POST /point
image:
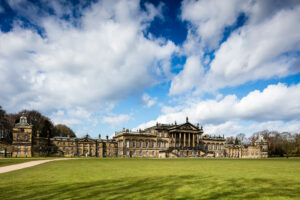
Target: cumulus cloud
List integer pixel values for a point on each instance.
(266, 46)
(186, 79)
(233, 127)
(87, 62)
(116, 119)
(148, 101)
(275, 103)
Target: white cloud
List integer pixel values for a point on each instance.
(209, 18)
(186, 79)
(101, 60)
(274, 103)
(233, 128)
(115, 120)
(266, 46)
(148, 101)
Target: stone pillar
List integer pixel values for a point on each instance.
(193, 141)
(174, 139)
(175, 134)
(197, 139)
(184, 141)
(189, 140)
(180, 139)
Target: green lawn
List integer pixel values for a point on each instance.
(155, 179)
(12, 161)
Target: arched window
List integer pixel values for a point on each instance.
(213, 146)
(127, 143)
(159, 144)
(152, 144)
(141, 153)
(221, 146)
(165, 144)
(147, 144)
(133, 143)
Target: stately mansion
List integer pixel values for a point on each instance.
(159, 141)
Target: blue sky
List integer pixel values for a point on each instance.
(100, 66)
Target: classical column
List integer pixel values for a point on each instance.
(197, 139)
(175, 139)
(189, 140)
(193, 140)
(184, 141)
(179, 139)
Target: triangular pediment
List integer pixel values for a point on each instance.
(186, 126)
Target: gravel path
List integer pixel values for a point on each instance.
(27, 164)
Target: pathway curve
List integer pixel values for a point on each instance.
(10, 168)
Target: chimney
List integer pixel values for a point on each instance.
(99, 136)
(106, 137)
(187, 119)
(197, 125)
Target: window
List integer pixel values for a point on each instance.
(22, 130)
(147, 154)
(152, 144)
(141, 143)
(18, 137)
(153, 153)
(141, 153)
(159, 144)
(213, 146)
(133, 143)
(127, 153)
(192, 153)
(147, 144)
(127, 143)
(165, 144)
(58, 143)
(221, 146)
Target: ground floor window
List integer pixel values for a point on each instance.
(141, 153)
(153, 153)
(147, 154)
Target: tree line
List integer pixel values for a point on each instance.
(42, 125)
(279, 143)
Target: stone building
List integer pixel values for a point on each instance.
(184, 140)
(168, 141)
(258, 150)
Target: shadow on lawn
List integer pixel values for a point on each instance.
(171, 187)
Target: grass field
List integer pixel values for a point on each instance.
(155, 179)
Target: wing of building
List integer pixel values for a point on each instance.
(159, 141)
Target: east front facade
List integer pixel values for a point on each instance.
(184, 140)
